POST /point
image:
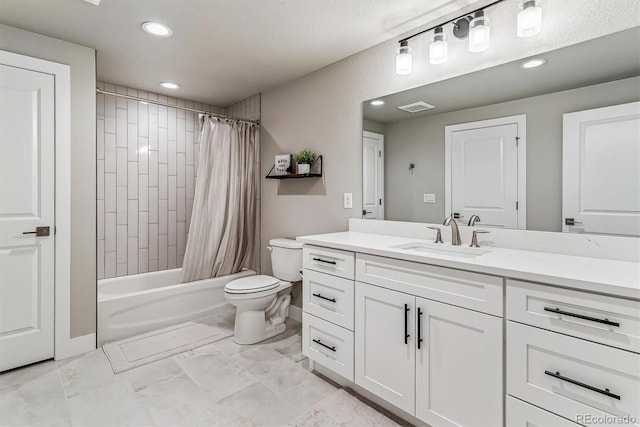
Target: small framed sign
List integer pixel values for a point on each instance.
(283, 164)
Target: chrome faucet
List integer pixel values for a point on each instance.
(455, 233)
(473, 220)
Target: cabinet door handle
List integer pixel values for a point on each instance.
(406, 324)
(325, 261)
(606, 391)
(419, 327)
(325, 298)
(324, 345)
(582, 316)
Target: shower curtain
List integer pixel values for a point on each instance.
(223, 223)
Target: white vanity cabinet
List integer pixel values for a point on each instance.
(438, 362)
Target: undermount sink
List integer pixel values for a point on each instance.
(440, 249)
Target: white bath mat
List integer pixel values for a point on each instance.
(141, 349)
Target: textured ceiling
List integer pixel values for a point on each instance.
(222, 51)
(599, 60)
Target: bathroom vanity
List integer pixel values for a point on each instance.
(454, 335)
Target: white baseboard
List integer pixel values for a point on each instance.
(295, 313)
(75, 346)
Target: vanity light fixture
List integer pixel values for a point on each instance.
(438, 49)
(170, 85)
(479, 33)
(156, 29)
(529, 19)
(404, 60)
(377, 102)
(533, 63)
(472, 25)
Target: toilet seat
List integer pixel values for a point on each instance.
(251, 284)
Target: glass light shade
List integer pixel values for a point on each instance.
(438, 50)
(529, 21)
(479, 35)
(404, 61)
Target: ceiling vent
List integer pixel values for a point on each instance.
(416, 107)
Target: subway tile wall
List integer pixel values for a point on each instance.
(147, 165)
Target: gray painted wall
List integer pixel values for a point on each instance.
(323, 110)
(421, 141)
(83, 163)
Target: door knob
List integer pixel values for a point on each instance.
(40, 231)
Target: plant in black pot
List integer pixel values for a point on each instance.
(304, 159)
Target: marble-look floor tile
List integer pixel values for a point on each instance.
(255, 405)
(153, 373)
(115, 404)
(308, 393)
(21, 376)
(87, 372)
(38, 402)
(179, 402)
(272, 369)
(342, 409)
(215, 374)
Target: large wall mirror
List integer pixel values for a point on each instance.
(550, 148)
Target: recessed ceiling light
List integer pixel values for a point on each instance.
(157, 29)
(169, 85)
(377, 102)
(533, 63)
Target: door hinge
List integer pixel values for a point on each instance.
(516, 205)
(380, 200)
(379, 153)
(517, 140)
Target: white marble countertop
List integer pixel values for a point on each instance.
(619, 278)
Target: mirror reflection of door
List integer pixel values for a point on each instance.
(484, 172)
(372, 175)
(601, 170)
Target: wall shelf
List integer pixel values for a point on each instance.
(316, 172)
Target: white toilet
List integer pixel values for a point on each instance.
(262, 302)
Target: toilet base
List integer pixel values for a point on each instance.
(253, 325)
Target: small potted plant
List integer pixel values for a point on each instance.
(304, 159)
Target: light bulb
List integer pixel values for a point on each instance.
(529, 19)
(404, 60)
(480, 34)
(438, 48)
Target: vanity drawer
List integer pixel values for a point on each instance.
(328, 297)
(479, 292)
(522, 414)
(570, 376)
(331, 261)
(607, 320)
(328, 344)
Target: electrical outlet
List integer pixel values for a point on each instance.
(348, 200)
(429, 198)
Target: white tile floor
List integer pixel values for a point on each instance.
(220, 384)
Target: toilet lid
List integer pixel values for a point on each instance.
(251, 284)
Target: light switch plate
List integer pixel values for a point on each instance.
(429, 198)
(348, 200)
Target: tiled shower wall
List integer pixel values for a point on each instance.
(147, 162)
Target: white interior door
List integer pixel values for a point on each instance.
(26, 202)
(372, 175)
(601, 170)
(484, 172)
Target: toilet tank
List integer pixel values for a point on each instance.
(286, 259)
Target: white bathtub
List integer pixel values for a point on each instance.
(140, 303)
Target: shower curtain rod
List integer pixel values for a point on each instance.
(135, 98)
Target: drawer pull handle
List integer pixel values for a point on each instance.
(606, 391)
(324, 345)
(419, 327)
(582, 316)
(325, 261)
(324, 298)
(406, 324)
